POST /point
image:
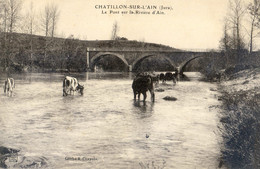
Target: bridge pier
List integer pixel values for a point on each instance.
(88, 59)
(178, 73)
(130, 68)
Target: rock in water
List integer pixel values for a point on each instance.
(159, 90)
(5, 150)
(170, 98)
(4, 154)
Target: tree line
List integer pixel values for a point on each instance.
(241, 28)
(13, 21)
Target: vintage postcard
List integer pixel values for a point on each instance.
(161, 84)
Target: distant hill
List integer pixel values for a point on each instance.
(24, 52)
(127, 45)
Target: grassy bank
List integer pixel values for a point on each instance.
(240, 119)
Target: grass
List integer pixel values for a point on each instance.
(240, 128)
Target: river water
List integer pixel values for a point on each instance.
(105, 128)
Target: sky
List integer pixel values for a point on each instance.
(191, 24)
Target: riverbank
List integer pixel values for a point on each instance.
(240, 119)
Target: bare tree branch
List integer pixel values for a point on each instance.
(54, 18)
(115, 30)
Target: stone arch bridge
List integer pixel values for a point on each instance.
(132, 58)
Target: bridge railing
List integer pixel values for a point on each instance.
(131, 50)
(152, 50)
(199, 50)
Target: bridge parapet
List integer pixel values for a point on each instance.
(132, 50)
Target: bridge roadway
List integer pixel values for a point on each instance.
(178, 59)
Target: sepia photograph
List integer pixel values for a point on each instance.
(130, 84)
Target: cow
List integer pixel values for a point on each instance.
(161, 77)
(9, 86)
(70, 84)
(168, 76)
(141, 84)
(155, 78)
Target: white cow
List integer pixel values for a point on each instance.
(9, 86)
(70, 84)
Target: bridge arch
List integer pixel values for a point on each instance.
(100, 54)
(141, 58)
(185, 63)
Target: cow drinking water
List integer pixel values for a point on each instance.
(141, 84)
(9, 86)
(70, 84)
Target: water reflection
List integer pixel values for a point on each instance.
(143, 109)
(108, 75)
(85, 76)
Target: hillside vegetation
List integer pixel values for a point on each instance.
(31, 53)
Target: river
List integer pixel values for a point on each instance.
(105, 128)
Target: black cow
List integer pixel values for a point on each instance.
(168, 77)
(161, 77)
(141, 84)
(155, 78)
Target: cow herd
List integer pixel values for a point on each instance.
(142, 83)
(70, 85)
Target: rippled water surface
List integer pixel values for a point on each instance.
(106, 125)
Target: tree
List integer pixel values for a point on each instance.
(46, 20)
(254, 13)
(226, 39)
(115, 30)
(3, 16)
(54, 18)
(235, 17)
(30, 23)
(30, 27)
(49, 24)
(10, 17)
(12, 9)
(45, 26)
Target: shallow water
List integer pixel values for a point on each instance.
(106, 125)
